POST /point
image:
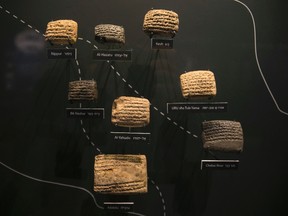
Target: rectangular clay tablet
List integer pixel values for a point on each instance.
(222, 135)
(82, 90)
(120, 174)
(198, 84)
(130, 112)
(62, 32)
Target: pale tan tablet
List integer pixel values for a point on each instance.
(200, 83)
(62, 32)
(160, 21)
(120, 174)
(130, 112)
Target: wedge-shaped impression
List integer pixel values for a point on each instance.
(130, 112)
(200, 83)
(62, 32)
(161, 22)
(82, 90)
(108, 33)
(222, 135)
(120, 174)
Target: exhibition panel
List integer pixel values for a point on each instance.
(148, 108)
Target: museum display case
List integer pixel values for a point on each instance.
(148, 108)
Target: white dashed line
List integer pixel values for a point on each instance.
(161, 196)
(79, 70)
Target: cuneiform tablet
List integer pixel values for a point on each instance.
(160, 21)
(120, 174)
(82, 90)
(62, 32)
(200, 83)
(130, 112)
(222, 135)
(110, 33)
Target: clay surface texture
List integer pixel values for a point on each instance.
(159, 21)
(82, 90)
(110, 33)
(130, 112)
(120, 174)
(62, 32)
(199, 83)
(222, 135)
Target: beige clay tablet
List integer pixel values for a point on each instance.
(162, 22)
(110, 33)
(200, 83)
(120, 174)
(62, 32)
(130, 112)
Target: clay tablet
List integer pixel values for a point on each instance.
(120, 174)
(222, 135)
(62, 32)
(159, 21)
(130, 112)
(82, 90)
(110, 33)
(200, 83)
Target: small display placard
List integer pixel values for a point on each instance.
(198, 107)
(160, 43)
(86, 112)
(219, 164)
(113, 55)
(131, 137)
(57, 53)
(119, 206)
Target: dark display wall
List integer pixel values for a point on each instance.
(47, 159)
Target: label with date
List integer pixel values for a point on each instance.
(157, 43)
(113, 55)
(131, 137)
(58, 53)
(119, 206)
(219, 164)
(197, 107)
(85, 112)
